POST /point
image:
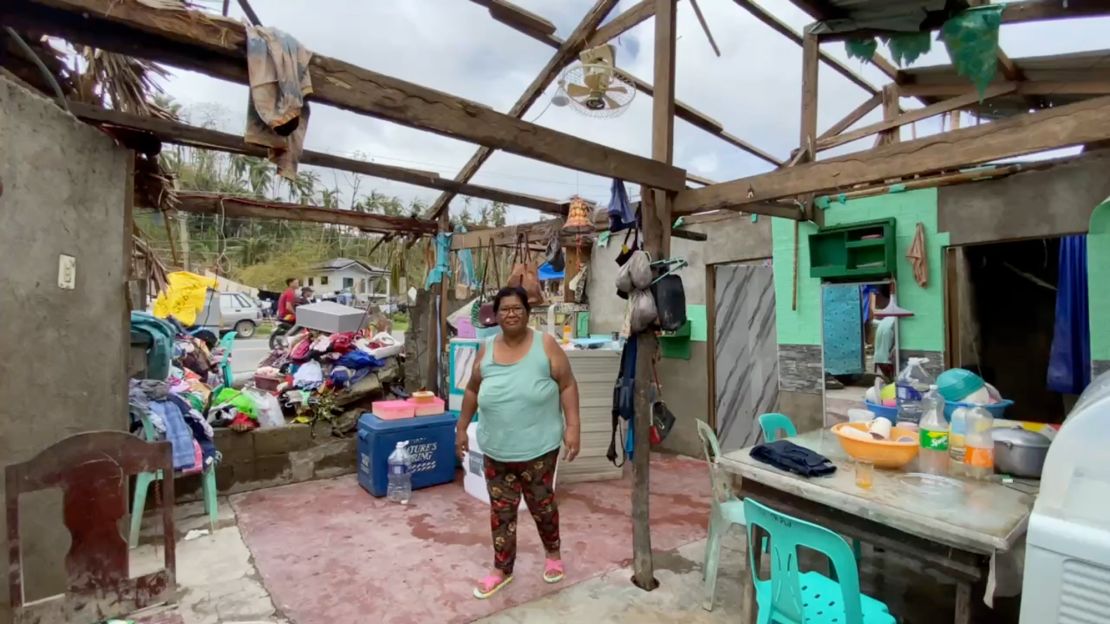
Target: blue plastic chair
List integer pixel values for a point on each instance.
(725, 511)
(791, 596)
(774, 424)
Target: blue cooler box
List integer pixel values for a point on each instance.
(431, 443)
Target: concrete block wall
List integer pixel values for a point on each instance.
(66, 189)
(270, 457)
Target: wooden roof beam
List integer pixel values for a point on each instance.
(216, 46)
(566, 53)
(204, 138)
(1062, 126)
(517, 18)
(622, 23)
(1028, 87)
(246, 208)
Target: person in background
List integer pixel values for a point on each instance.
(884, 347)
(522, 383)
(306, 296)
(287, 302)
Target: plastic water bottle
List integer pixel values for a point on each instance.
(400, 474)
(912, 384)
(979, 460)
(957, 442)
(933, 458)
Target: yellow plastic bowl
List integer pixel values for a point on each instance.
(883, 453)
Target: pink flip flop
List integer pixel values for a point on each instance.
(553, 570)
(490, 585)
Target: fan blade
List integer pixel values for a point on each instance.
(616, 90)
(577, 90)
(593, 80)
(611, 102)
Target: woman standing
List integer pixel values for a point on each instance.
(523, 385)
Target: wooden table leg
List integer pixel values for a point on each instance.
(963, 603)
(748, 607)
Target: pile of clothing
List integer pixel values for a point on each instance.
(316, 366)
(171, 411)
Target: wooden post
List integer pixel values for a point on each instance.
(890, 113)
(656, 214)
(811, 56)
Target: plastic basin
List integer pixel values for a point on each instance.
(883, 453)
(889, 413)
(996, 409)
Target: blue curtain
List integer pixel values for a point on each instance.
(1069, 363)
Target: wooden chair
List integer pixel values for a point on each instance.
(92, 470)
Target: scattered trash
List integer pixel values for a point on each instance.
(196, 533)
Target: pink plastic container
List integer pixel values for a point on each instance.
(392, 410)
(427, 407)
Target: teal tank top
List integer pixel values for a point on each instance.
(520, 416)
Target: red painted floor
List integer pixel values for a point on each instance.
(330, 553)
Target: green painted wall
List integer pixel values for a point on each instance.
(925, 330)
(1098, 276)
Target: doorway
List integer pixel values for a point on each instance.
(1001, 321)
(745, 350)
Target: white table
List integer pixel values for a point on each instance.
(956, 535)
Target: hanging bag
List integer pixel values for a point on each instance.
(525, 272)
(462, 289)
(481, 312)
(554, 256)
(670, 302)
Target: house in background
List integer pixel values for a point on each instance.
(363, 281)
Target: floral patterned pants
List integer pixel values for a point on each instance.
(507, 482)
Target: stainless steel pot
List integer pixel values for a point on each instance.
(1019, 452)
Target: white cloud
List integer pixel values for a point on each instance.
(753, 90)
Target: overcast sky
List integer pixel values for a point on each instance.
(753, 89)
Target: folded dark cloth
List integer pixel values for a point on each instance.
(793, 458)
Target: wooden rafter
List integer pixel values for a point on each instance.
(963, 101)
(626, 21)
(240, 207)
(566, 52)
(1063, 126)
(205, 138)
(687, 113)
(1028, 87)
(854, 116)
(216, 46)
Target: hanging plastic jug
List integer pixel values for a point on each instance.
(912, 384)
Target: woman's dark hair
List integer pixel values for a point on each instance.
(511, 291)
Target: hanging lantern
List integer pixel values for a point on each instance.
(578, 218)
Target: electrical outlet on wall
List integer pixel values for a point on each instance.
(67, 272)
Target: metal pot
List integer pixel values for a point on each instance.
(1019, 452)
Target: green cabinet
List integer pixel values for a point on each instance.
(856, 251)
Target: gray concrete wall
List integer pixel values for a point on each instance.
(65, 191)
(1034, 204)
(732, 238)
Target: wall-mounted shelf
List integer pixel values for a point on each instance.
(856, 251)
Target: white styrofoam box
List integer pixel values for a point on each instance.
(331, 317)
(474, 477)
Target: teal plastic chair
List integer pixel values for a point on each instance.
(142, 486)
(725, 511)
(791, 596)
(227, 343)
(776, 426)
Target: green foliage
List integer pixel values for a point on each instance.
(263, 253)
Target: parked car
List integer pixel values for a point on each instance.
(235, 312)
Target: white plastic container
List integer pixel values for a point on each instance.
(474, 477)
(1067, 557)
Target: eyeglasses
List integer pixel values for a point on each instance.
(516, 311)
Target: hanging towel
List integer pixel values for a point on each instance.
(440, 268)
(1069, 360)
(277, 113)
(793, 458)
(916, 256)
(620, 210)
